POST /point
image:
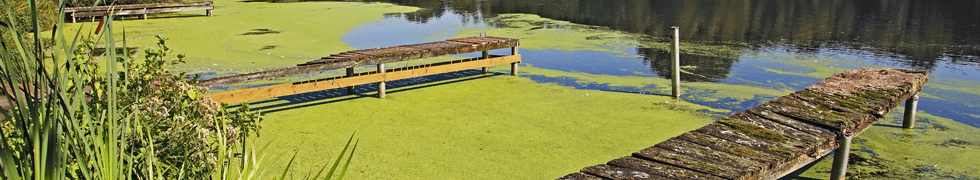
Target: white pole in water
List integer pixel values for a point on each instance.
(513, 66)
(839, 169)
(676, 56)
(381, 85)
(910, 107)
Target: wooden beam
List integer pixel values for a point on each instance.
(320, 66)
(136, 6)
(142, 11)
(266, 92)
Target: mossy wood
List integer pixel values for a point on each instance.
(372, 57)
(775, 138)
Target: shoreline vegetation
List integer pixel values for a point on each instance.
(69, 117)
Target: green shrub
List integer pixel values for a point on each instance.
(67, 118)
(180, 125)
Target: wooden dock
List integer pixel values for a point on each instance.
(775, 138)
(378, 57)
(137, 9)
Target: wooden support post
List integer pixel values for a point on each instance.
(513, 66)
(350, 89)
(910, 108)
(381, 85)
(486, 54)
(676, 65)
(839, 170)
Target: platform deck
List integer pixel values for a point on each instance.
(775, 138)
(367, 57)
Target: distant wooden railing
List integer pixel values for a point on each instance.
(366, 57)
(137, 9)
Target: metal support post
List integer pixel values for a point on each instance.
(675, 54)
(910, 108)
(486, 55)
(839, 170)
(381, 85)
(209, 12)
(350, 89)
(513, 66)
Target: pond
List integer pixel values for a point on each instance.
(594, 80)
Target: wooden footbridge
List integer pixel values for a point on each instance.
(778, 137)
(377, 57)
(137, 9)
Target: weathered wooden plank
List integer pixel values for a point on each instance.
(143, 11)
(266, 92)
(681, 160)
(613, 172)
(794, 137)
(749, 136)
(787, 121)
(432, 50)
(715, 160)
(136, 6)
(767, 156)
(660, 169)
(580, 176)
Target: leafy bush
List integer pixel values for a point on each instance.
(180, 126)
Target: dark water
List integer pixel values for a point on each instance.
(941, 36)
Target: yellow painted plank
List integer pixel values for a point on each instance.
(265, 92)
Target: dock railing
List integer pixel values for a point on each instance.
(137, 9)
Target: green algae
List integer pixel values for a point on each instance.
(937, 148)
(850, 104)
(540, 33)
(232, 39)
(781, 151)
(823, 66)
(510, 126)
(700, 90)
(754, 130)
(562, 35)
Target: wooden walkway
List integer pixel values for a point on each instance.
(380, 56)
(137, 9)
(775, 138)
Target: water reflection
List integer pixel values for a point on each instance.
(924, 32)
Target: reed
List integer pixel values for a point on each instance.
(68, 118)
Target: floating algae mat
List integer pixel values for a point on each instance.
(496, 127)
(246, 37)
(938, 148)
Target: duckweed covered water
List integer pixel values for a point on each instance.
(494, 127)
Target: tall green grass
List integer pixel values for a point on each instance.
(70, 119)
